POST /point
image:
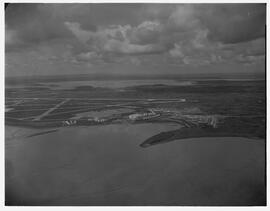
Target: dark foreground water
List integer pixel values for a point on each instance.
(105, 166)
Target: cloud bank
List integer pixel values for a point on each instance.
(139, 34)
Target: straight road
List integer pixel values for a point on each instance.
(51, 110)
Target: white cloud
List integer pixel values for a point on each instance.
(186, 34)
(135, 61)
(81, 34)
(183, 19)
(128, 48)
(88, 56)
(145, 33)
(176, 52)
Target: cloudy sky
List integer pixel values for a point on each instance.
(58, 39)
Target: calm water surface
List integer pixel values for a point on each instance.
(104, 165)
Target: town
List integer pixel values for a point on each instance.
(100, 112)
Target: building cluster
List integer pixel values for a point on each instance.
(69, 122)
(143, 116)
(164, 114)
(204, 119)
(96, 119)
(166, 110)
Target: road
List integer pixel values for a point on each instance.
(50, 110)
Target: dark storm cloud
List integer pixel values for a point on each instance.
(36, 23)
(29, 24)
(233, 23)
(189, 34)
(229, 23)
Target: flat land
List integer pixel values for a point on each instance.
(145, 144)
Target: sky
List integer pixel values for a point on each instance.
(56, 39)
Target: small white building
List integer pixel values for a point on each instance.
(143, 115)
(69, 122)
(134, 116)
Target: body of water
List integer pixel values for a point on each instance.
(115, 84)
(104, 165)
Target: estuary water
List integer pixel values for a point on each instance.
(104, 165)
